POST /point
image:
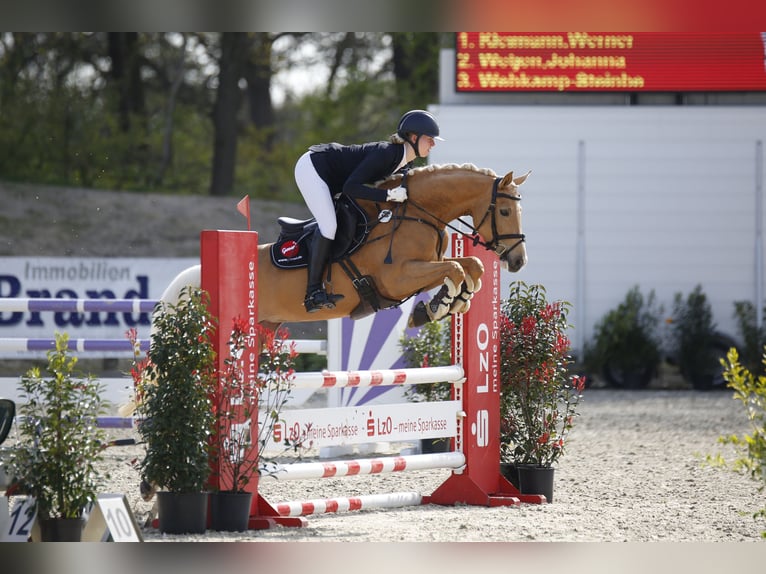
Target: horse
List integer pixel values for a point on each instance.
(402, 251)
(398, 254)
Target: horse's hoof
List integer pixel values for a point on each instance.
(419, 316)
(460, 306)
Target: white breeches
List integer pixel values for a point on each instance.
(317, 196)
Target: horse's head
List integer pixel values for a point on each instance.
(447, 192)
(500, 225)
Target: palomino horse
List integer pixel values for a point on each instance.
(403, 254)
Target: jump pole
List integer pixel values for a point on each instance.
(229, 264)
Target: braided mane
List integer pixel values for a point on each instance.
(438, 168)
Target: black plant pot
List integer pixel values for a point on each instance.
(628, 378)
(182, 513)
(61, 529)
(536, 480)
(230, 511)
(509, 472)
(434, 445)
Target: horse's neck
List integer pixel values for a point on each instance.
(449, 196)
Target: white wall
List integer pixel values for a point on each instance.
(668, 197)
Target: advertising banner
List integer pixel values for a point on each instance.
(83, 278)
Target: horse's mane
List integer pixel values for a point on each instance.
(439, 168)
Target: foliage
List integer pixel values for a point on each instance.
(539, 398)
(626, 339)
(750, 390)
(753, 337)
(430, 347)
(74, 114)
(693, 335)
(60, 442)
(235, 456)
(174, 389)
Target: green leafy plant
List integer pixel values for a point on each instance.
(626, 342)
(694, 343)
(753, 336)
(429, 347)
(60, 443)
(174, 394)
(236, 456)
(539, 397)
(750, 390)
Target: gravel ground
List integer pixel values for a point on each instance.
(634, 472)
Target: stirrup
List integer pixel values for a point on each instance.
(320, 299)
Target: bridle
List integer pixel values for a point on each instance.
(494, 243)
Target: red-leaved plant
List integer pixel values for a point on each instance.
(237, 449)
(539, 397)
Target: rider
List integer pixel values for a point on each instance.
(329, 169)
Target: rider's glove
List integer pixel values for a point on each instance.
(398, 194)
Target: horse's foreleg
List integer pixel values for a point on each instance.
(428, 275)
(474, 269)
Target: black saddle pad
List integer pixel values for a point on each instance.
(291, 250)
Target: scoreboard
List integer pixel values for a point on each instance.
(619, 61)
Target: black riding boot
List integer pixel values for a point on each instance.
(316, 296)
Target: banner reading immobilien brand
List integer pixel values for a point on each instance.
(83, 278)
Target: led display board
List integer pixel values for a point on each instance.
(619, 61)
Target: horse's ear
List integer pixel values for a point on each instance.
(509, 179)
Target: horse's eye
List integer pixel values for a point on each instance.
(505, 212)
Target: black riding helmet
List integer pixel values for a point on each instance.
(418, 122)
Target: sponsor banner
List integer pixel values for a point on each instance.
(83, 278)
(370, 423)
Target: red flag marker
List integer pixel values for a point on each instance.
(244, 208)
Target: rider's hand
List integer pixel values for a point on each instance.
(398, 194)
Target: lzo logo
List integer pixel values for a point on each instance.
(290, 249)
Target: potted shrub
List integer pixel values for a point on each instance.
(626, 342)
(696, 346)
(538, 395)
(752, 335)
(429, 347)
(59, 443)
(237, 448)
(174, 404)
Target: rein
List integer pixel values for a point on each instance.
(494, 243)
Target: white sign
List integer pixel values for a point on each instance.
(111, 515)
(115, 512)
(17, 519)
(399, 422)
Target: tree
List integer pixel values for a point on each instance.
(233, 49)
(125, 74)
(193, 112)
(416, 67)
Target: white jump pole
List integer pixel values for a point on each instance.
(379, 465)
(318, 380)
(344, 504)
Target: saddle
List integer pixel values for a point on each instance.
(291, 250)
